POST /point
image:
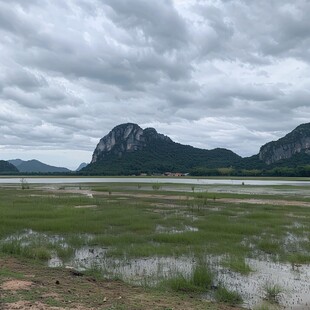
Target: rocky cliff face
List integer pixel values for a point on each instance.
(297, 141)
(125, 138)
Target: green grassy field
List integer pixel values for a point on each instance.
(143, 221)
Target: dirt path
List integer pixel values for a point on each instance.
(266, 202)
(25, 285)
(90, 193)
(275, 202)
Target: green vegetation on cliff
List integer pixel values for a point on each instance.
(160, 156)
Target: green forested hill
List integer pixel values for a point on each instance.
(7, 168)
(159, 156)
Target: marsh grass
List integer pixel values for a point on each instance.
(237, 264)
(202, 276)
(127, 228)
(269, 246)
(199, 280)
(16, 248)
(36, 246)
(125, 225)
(64, 253)
(272, 292)
(179, 283)
(95, 271)
(266, 306)
(224, 295)
(298, 258)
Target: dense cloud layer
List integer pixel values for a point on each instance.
(221, 73)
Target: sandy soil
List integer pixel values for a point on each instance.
(266, 201)
(14, 285)
(86, 206)
(90, 193)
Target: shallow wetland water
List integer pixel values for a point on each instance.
(295, 284)
(175, 218)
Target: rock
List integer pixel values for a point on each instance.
(123, 138)
(295, 142)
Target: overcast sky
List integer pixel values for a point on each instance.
(220, 73)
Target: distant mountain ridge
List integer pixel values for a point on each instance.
(7, 168)
(35, 166)
(81, 166)
(128, 149)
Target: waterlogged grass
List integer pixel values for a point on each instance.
(143, 221)
(202, 276)
(200, 280)
(272, 292)
(16, 248)
(299, 258)
(237, 264)
(232, 298)
(269, 246)
(128, 227)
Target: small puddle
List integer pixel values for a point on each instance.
(295, 284)
(152, 270)
(28, 237)
(83, 258)
(173, 230)
(85, 207)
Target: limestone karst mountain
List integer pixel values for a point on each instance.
(297, 142)
(129, 149)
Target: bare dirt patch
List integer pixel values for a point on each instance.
(91, 193)
(266, 202)
(85, 207)
(26, 305)
(14, 285)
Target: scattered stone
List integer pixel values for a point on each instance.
(76, 273)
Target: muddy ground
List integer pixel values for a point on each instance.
(27, 285)
(261, 201)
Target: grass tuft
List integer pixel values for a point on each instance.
(272, 292)
(232, 298)
(202, 276)
(199, 281)
(237, 264)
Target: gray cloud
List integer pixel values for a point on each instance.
(158, 23)
(221, 73)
